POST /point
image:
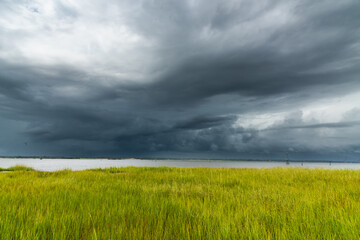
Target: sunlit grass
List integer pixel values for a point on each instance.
(180, 203)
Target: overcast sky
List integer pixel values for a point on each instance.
(189, 78)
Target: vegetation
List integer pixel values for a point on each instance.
(16, 168)
(180, 203)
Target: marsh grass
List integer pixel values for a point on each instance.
(180, 203)
(17, 168)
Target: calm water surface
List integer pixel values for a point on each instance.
(81, 164)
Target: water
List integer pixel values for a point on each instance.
(81, 164)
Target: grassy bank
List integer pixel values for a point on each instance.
(16, 168)
(180, 203)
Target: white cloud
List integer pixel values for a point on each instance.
(329, 110)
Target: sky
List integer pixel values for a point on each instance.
(180, 79)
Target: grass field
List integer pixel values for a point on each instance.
(180, 203)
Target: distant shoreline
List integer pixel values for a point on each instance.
(175, 159)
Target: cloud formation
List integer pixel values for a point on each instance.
(180, 78)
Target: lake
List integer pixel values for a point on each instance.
(81, 164)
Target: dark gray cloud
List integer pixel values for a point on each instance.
(189, 78)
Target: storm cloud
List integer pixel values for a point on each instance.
(204, 79)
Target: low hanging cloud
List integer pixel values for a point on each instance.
(191, 78)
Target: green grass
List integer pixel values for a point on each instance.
(180, 203)
(16, 168)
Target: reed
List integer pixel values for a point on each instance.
(180, 203)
